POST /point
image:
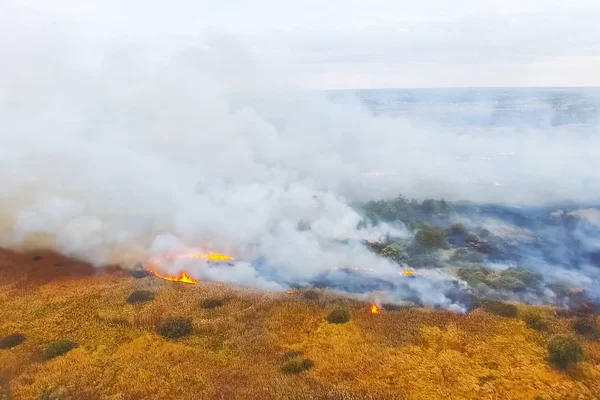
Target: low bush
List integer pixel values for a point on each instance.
(292, 354)
(535, 320)
(311, 295)
(140, 296)
(296, 366)
(58, 348)
(307, 364)
(474, 274)
(564, 350)
(175, 327)
(500, 308)
(585, 325)
(12, 340)
(211, 303)
(50, 394)
(338, 316)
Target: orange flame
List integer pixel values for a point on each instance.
(408, 272)
(183, 277)
(374, 309)
(288, 291)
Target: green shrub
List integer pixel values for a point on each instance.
(474, 274)
(175, 327)
(395, 252)
(12, 340)
(50, 394)
(512, 279)
(296, 366)
(431, 237)
(535, 320)
(211, 303)
(338, 316)
(585, 325)
(140, 296)
(311, 295)
(507, 282)
(58, 348)
(564, 350)
(292, 367)
(500, 308)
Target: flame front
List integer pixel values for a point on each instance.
(374, 309)
(183, 277)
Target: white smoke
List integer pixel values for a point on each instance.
(119, 152)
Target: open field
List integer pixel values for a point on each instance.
(236, 350)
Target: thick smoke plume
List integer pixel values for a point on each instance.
(116, 152)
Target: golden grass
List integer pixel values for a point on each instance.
(237, 349)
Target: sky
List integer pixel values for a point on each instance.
(343, 44)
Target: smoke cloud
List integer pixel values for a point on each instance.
(116, 152)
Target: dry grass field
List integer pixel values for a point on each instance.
(236, 350)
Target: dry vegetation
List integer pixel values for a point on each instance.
(236, 350)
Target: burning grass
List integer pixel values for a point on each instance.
(238, 352)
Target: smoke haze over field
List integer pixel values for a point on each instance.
(118, 150)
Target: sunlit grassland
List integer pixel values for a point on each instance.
(236, 350)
